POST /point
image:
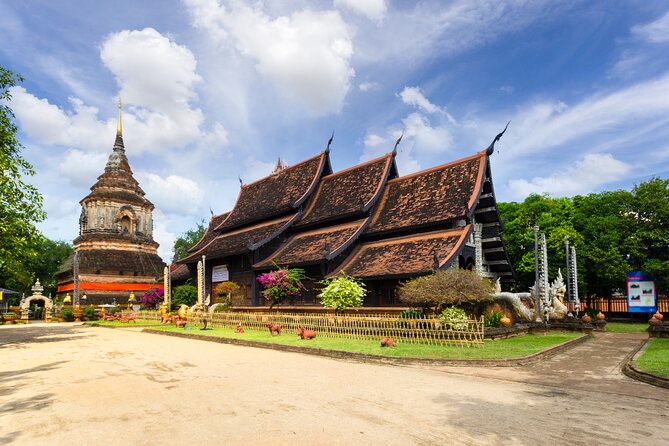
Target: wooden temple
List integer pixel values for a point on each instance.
(364, 221)
(115, 254)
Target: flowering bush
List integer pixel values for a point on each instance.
(224, 291)
(282, 284)
(342, 293)
(152, 297)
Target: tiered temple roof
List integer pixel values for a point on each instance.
(364, 221)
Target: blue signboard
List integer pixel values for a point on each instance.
(641, 293)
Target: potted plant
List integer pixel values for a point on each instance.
(10, 317)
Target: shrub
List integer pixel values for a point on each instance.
(413, 313)
(282, 284)
(224, 292)
(454, 318)
(184, 295)
(342, 292)
(66, 314)
(592, 312)
(89, 311)
(152, 297)
(448, 287)
(493, 319)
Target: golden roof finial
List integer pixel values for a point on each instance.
(119, 127)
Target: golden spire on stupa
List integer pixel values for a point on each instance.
(119, 127)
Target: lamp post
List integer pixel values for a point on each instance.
(537, 301)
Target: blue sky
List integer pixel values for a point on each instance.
(216, 89)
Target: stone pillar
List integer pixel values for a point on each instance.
(478, 249)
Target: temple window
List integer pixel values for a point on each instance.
(126, 225)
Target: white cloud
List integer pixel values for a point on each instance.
(656, 31)
(51, 125)
(414, 96)
(369, 86)
(305, 55)
(152, 71)
(155, 76)
(163, 236)
(438, 28)
(585, 176)
(82, 168)
(549, 124)
(173, 194)
(373, 9)
(426, 138)
(373, 140)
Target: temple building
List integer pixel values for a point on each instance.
(115, 254)
(365, 221)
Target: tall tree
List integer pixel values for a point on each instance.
(45, 265)
(648, 211)
(188, 239)
(20, 202)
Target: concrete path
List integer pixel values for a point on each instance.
(64, 384)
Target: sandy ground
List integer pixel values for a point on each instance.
(67, 384)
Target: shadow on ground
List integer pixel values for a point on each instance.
(22, 337)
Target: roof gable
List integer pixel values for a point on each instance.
(210, 233)
(404, 256)
(315, 246)
(348, 192)
(277, 193)
(430, 196)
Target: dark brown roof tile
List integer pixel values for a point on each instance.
(277, 193)
(404, 256)
(429, 196)
(315, 246)
(347, 192)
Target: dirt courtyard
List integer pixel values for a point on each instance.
(72, 384)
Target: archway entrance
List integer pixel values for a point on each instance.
(37, 303)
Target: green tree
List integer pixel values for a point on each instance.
(184, 295)
(46, 264)
(648, 212)
(553, 216)
(604, 233)
(20, 202)
(187, 240)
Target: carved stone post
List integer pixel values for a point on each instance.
(478, 248)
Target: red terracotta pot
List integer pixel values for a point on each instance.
(586, 319)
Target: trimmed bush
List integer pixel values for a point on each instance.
(444, 288)
(342, 292)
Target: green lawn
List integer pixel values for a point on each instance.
(655, 359)
(506, 348)
(627, 327)
(125, 324)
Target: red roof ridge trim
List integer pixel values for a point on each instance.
(284, 170)
(191, 249)
(477, 187)
(379, 189)
(465, 233)
(314, 182)
(324, 156)
(442, 166)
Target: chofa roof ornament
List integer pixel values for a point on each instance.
(491, 147)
